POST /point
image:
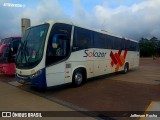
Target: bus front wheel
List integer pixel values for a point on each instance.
(78, 78)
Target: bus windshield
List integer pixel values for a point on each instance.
(6, 53)
(31, 47)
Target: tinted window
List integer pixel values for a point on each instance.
(99, 40)
(109, 42)
(114, 44)
(82, 39)
(117, 43)
(5, 55)
(137, 47)
(59, 43)
(127, 45)
(15, 44)
(131, 46)
(122, 44)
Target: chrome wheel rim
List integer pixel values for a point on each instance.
(125, 69)
(78, 78)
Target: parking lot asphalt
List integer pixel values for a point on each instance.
(13, 99)
(133, 91)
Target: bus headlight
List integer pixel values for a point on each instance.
(36, 74)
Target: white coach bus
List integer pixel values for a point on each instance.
(56, 52)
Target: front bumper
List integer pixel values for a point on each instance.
(36, 80)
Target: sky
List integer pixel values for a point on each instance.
(127, 18)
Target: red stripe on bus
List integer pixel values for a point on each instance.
(113, 58)
(112, 63)
(118, 59)
(119, 52)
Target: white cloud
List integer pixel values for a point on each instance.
(137, 21)
(10, 21)
(46, 10)
(81, 16)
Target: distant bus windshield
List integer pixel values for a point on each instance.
(6, 54)
(8, 40)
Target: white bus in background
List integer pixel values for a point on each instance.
(56, 52)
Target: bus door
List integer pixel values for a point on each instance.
(56, 56)
(58, 50)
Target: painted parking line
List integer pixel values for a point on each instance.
(153, 107)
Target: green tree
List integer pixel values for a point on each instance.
(150, 47)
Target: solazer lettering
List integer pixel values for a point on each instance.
(94, 54)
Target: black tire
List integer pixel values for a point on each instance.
(78, 78)
(126, 68)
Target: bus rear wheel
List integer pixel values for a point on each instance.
(78, 78)
(126, 68)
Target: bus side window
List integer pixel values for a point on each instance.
(60, 45)
(100, 40)
(108, 42)
(82, 39)
(6, 55)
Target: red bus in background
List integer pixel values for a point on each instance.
(8, 51)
